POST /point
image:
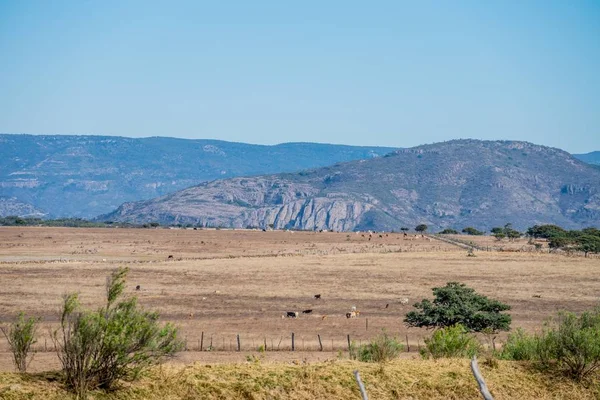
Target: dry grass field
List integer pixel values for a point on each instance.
(229, 282)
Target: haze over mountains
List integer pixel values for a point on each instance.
(452, 184)
(84, 176)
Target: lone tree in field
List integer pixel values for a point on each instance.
(421, 228)
(456, 303)
(115, 342)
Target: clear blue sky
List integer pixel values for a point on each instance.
(371, 73)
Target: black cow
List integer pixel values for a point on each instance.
(306, 311)
(317, 296)
(291, 314)
(138, 287)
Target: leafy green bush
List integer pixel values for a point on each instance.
(451, 342)
(569, 344)
(519, 346)
(21, 335)
(380, 349)
(456, 303)
(117, 341)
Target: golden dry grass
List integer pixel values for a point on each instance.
(403, 379)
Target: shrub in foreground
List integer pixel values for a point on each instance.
(21, 335)
(115, 342)
(569, 344)
(519, 346)
(382, 348)
(451, 342)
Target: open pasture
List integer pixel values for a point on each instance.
(228, 282)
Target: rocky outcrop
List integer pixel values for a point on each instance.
(10, 206)
(445, 185)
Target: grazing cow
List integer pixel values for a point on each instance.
(404, 301)
(323, 317)
(292, 314)
(138, 287)
(306, 311)
(387, 305)
(352, 314)
(170, 256)
(317, 296)
(190, 315)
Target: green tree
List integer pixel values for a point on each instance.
(455, 304)
(449, 231)
(421, 228)
(404, 229)
(472, 231)
(588, 244)
(545, 231)
(115, 342)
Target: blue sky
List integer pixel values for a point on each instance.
(354, 72)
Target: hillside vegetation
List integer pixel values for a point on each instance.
(445, 185)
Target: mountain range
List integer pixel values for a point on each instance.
(84, 176)
(444, 185)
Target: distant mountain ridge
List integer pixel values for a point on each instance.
(452, 184)
(590, 158)
(84, 176)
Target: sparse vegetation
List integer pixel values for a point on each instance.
(117, 341)
(456, 304)
(380, 349)
(451, 342)
(569, 344)
(21, 336)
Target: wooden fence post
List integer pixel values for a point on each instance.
(479, 378)
(320, 344)
(367, 324)
(202, 341)
(407, 345)
(293, 345)
(238, 342)
(348, 336)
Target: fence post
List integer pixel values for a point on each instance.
(367, 324)
(407, 345)
(238, 342)
(202, 341)
(293, 346)
(348, 336)
(320, 344)
(265, 343)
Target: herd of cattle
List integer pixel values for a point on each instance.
(353, 313)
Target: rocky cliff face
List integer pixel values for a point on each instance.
(83, 176)
(452, 184)
(10, 206)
